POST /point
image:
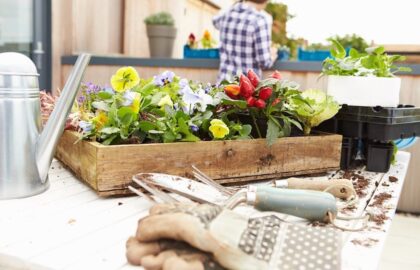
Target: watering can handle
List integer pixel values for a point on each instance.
(307, 204)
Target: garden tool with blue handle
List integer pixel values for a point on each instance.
(307, 204)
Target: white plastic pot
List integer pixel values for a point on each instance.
(365, 91)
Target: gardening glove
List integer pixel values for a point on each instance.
(238, 242)
(167, 255)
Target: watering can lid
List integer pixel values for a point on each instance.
(12, 63)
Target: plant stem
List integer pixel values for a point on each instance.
(306, 130)
(255, 124)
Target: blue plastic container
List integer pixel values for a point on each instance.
(315, 55)
(201, 53)
(283, 55)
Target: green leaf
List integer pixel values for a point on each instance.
(273, 132)
(147, 126)
(168, 137)
(104, 95)
(156, 132)
(338, 50)
(354, 53)
(126, 115)
(109, 140)
(238, 103)
(109, 130)
(101, 105)
(296, 123)
(404, 69)
(245, 131)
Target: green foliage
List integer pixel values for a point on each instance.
(373, 62)
(280, 15)
(352, 41)
(161, 18)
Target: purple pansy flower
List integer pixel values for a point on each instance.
(85, 126)
(164, 78)
(81, 99)
(194, 128)
(92, 88)
(183, 83)
(207, 89)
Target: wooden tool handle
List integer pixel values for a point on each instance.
(307, 204)
(340, 188)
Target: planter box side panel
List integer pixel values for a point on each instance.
(227, 161)
(81, 157)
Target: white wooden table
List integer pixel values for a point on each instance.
(70, 227)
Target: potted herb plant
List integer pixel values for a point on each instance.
(161, 33)
(363, 79)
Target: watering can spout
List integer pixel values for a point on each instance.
(50, 136)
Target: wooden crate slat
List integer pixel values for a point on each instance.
(108, 169)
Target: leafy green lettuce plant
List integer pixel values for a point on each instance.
(311, 107)
(374, 62)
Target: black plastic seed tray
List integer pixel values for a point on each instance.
(375, 123)
(375, 155)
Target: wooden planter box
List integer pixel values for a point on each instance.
(108, 169)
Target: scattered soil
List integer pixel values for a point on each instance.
(359, 182)
(71, 221)
(380, 198)
(385, 184)
(365, 242)
(379, 219)
(349, 209)
(393, 179)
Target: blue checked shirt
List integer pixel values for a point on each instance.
(245, 36)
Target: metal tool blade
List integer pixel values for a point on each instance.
(161, 195)
(207, 180)
(179, 192)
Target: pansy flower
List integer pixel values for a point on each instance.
(124, 79)
(85, 126)
(218, 129)
(164, 78)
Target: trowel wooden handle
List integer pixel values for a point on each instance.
(340, 188)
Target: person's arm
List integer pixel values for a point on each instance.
(217, 20)
(262, 41)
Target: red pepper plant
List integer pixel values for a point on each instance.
(266, 99)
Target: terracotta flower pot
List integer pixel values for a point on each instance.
(161, 40)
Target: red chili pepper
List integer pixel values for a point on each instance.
(260, 104)
(276, 75)
(255, 80)
(232, 91)
(247, 89)
(276, 101)
(251, 101)
(265, 93)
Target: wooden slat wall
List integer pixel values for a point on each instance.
(190, 16)
(109, 27)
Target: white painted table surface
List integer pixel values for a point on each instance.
(70, 227)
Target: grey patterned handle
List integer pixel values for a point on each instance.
(307, 204)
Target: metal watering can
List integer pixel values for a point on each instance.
(26, 152)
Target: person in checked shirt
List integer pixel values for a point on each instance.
(245, 35)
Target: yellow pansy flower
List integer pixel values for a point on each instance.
(166, 100)
(125, 78)
(135, 106)
(100, 119)
(218, 129)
